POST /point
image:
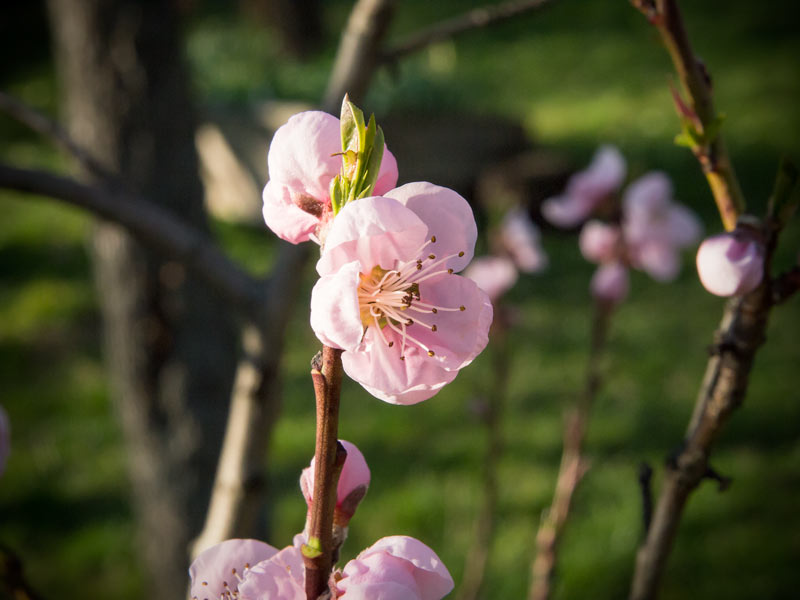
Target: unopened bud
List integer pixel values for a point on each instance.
(610, 283)
(730, 264)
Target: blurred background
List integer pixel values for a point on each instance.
(508, 110)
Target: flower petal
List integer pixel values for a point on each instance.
(355, 474)
(387, 174)
(495, 275)
(212, 572)
(374, 231)
(279, 578)
(448, 217)
(335, 314)
(610, 283)
(599, 242)
(303, 153)
(730, 264)
(284, 217)
(520, 238)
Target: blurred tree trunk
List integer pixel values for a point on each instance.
(297, 21)
(169, 343)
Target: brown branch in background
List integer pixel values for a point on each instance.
(155, 227)
(573, 465)
(13, 584)
(359, 50)
(48, 128)
(329, 458)
(478, 555)
(476, 18)
(696, 83)
(645, 485)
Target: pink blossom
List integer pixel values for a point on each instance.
(353, 482)
(610, 283)
(600, 242)
(217, 571)
(395, 568)
(730, 264)
(281, 577)
(655, 228)
(5, 439)
(303, 160)
(520, 238)
(587, 189)
(388, 295)
(495, 275)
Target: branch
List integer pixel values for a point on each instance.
(696, 83)
(155, 227)
(359, 50)
(740, 334)
(477, 18)
(48, 128)
(573, 465)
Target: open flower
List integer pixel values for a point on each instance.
(732, 263)
(352, 486)
(588, 189)
(303, 159)
(389, 297)
(395, 568)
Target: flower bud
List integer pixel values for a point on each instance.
(352, 486)
(610, 283)
(600, 242)
(730, 264)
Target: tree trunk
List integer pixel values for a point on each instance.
(169, 343)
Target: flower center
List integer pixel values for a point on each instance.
(391, 298)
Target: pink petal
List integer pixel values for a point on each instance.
(460, 335)
(284, 217)
(520, 238)
(448, 217)
(684, 227)
(603, 177)
(302, 155)
(381, 372)
(335, 314)
(388, 590)
(600, 242)
(212, 572)
(494, 275)
(374, 231)
(730, 264)
(660, 261)
(279, 578)
(610, 283)
(650, 193)
(378, 575)
(355, 474)
(566, 211)
(431, 575)
(387, 175)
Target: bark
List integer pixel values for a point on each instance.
(168, 342)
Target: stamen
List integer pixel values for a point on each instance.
(431, 256)
(433, 239)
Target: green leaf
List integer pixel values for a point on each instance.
(313, 548)
(373, 164)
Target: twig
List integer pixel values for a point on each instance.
(155, 227)
(573, 465)
(477, 18)
(358, 55)
(329, 457)
(478, 555)
(696, 83)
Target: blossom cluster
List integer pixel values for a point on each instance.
(648, 235)
(389, 294)
(393, 568)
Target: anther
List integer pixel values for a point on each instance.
(419, 266)
(433, 328)
(462, 308)
(450, 271)
(410, 322)
(461, 253)
(391, 344)
(431, 256)
(434, 310)
(402, 358)
(430, 352)
(205, 583)
(433, 239)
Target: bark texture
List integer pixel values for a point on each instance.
(168, 342)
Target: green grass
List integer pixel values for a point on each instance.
(576, 75)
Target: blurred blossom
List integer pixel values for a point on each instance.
(353, 483)
(521, 239)
(731, 263)
(600, 242)
(588, 189)
(5, 439)
(610, 283)
(655, 228)
(495, 275)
